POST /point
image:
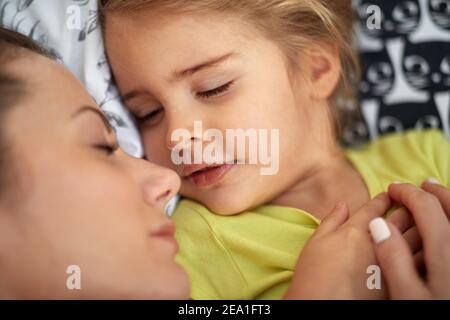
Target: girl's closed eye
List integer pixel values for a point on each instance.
(151, 117)
(216, 92)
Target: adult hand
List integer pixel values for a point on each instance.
(333, 264)
(430, 209)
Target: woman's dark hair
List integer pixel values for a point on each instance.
(12, 88)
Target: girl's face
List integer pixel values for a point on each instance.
(173, 70)
(76, 200)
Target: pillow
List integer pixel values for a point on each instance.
(70, 29)
(405, 66)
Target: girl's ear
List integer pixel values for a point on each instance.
(322, 67)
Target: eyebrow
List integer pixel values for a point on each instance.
(83, 109)
(177, 75)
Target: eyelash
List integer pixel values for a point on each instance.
(108, 149)
(215, 92)
(205, 94)
(148, 116)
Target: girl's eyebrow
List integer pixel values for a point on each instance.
(83, 109)
(177, 75)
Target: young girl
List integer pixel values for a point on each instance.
(274, 64)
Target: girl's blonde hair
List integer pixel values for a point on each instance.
(292, 24)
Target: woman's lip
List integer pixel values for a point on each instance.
(166, 229)
(172, 242)
(166, 233)
(210, 176)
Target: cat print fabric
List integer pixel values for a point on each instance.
(405, 67)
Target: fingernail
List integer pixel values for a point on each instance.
(433, 180)
(395, 182)
(379, 230)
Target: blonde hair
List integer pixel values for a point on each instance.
(292, 24)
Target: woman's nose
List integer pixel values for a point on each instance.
(159, 186)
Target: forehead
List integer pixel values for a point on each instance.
(51, 90)
(169, 41)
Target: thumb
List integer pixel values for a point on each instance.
(333, 220)
(396, 261)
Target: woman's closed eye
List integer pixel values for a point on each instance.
(97, 130)
(108, 148)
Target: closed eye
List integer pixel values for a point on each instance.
(109, 149)
(215, 92)
(148, 116)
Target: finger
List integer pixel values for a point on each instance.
(427, 213)
(333, 220)
(396, 261)
(432, 186)
(376, 207)
(419, 261)
(412, 238)
(401, 219)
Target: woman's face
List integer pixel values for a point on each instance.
(75, 200)
(248, 85)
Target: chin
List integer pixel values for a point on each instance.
(171, 284)
(178, 286)
(227, 206)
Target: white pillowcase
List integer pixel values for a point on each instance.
(70, 29)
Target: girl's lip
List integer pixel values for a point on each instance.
(210, 175)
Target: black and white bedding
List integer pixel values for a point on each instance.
(406, 61)
(405, 66)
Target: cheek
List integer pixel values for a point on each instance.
(155, 149)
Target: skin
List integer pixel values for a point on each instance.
(164, 43)
(430, 209)
(82, 201)
(414, 260)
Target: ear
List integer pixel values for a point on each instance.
(323, 70)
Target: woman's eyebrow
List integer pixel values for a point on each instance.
(83, 109)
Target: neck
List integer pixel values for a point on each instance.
(326, 183)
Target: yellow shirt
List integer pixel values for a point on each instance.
(252, 255)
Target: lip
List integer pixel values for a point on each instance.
(206, 175)
(166, 232)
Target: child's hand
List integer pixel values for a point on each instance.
(430, 209)
(334, 262)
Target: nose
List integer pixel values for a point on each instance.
(160, 186)
(183, 129)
